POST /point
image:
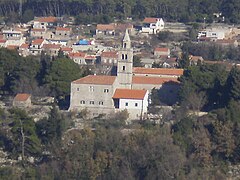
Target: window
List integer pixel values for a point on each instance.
(124, 68)
(91, 102)
(91, 88)
(124, 45)
(78, 89)
(82, 102)
(125, 56)
(126, 104)
(106, 90)
(122, 56)
(100, 102)
(136, 104)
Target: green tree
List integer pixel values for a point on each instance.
(62, 72)
(24, 138)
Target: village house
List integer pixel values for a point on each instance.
(214, 33)
(62, 32)
(13, 37)
(38, 33)
(66, 50)
(44, 22)
(128, 90)
(134, 100)
(22, 100)
(51, 49)
(105, 30)
(109, 58)
(158, 52)
(78, 57)
(36, 46)
(24, 50)
(152, 25)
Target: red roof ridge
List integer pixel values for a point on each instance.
(129, 94)
(96, 79)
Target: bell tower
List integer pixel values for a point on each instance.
(125, 63)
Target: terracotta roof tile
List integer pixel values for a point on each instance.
(24, 46)
(37, 41)
(22, 97)
(51, 46)
(77, 54)
(109, 54)
(129, 94)
(62, 29)
(161, 49)
(152, 80)
(66, 49)
(104, 27)
(158, 71)
(150, 20)
(98, 80)
(49, 19)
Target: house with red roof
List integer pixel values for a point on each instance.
(36, 46)
(24, 50)
(159, 52)
(78, 57)
(152, 25)
(51, 49)
(44, 22)
(128, 90)
(22, 100)
(105, 30)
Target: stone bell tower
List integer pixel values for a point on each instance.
(125, 63)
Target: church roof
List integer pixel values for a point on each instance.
(153, 80)
(94, 79)
(158, 71)
(129, 94)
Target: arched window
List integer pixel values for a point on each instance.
(122, 56)
(125, 56)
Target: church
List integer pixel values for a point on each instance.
(129, 90)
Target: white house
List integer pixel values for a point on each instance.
(135, 101)
(152, 25)
(44, 22)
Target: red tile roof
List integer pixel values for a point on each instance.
(62, 29)
(24, 46)
(104, 27)
(158, 71)
(2, 40)
(129, 94)
(22, 97)
(150, 20)
(98, 80)
(37, 41)
(49, 19)
(77, 54)
(51, 46)
(66, 49)
(161, 49)
(152, 80)
(109, 54)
